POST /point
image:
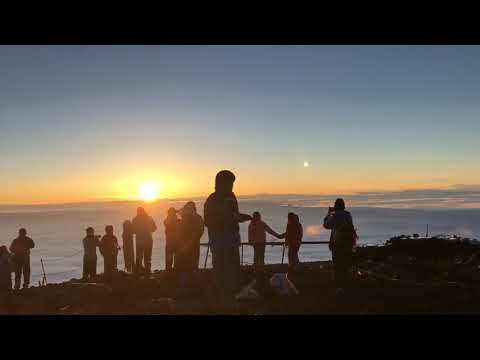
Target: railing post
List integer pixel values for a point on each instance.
(283, 252)
(241, 261)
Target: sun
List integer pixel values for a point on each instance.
(149, 192)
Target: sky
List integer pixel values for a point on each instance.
(84, 123)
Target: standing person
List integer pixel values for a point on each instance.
(342, 240)
(109, 249)
(143, 226)
(293, 240)
(172, 234)
(188, 248)
(222, 219)
(5, 271)
(90, 243)
(20, 248)
(257, 237)
(128, 251)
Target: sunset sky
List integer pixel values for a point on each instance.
(88, 123)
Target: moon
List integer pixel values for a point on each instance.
(306, 164)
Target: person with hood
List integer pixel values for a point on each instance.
(128, 251)
(188, 247)
(90, 244)
(342, 240)
(5, 270)
(109, 249)
(293, 240)
(222, 219)
(257, 237)
(143, 226)
(20, 248)
(172, 235)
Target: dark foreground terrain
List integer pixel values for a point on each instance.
(387, 280)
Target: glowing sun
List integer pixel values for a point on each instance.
(149, 192)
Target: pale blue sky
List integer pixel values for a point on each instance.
(369, 114)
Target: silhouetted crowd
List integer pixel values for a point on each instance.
(183, 231)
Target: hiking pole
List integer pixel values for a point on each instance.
(206, 257)
(44, 280)
(283, 252)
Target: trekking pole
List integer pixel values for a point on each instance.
(206, 257)
(283, 252)
(44, 280)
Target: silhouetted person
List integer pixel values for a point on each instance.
(257, 236)
(188, 249)
(222, 219)
(20, 249)
(128, 251)
(293, 240)
(90, 244)
(172, 237)
(109, 249)
(5, 271)
(143, 227)
(342, 240)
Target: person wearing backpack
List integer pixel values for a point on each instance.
(342, 241)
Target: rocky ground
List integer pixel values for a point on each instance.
(385, 281)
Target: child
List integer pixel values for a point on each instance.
(293, 239)
(109, 249)
(257, 237)
(128, 252)
(90, 243)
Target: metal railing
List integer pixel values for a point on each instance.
(271, 243)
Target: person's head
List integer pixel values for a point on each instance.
(224, 181)
(189, 208)
(293, 218)
(127, 224)
(141, 211)
(109, 230)
(90, 231)
(256, 216)
(22, 232)
(339, 204)
(171, 212)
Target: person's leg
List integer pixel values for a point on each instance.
(86, 269)
(148, 256)
(26, 272)
(256, 253)
(93, 270)
(233, 266)
(261, 255)
(168, 257)
(139, 248)
(17, 263)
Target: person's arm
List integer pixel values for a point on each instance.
(282, 236)
(12, 245)
(328, 222)
(32, 244)
(270, 231)
(243, 217)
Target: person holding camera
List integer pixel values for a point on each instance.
(342, 240)
(172, 235)
(90, 243)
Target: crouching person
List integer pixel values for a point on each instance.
(109, 249)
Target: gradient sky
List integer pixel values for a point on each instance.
(80, 123)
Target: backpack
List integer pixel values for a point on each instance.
(345, 236)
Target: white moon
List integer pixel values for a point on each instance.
(306, 164)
